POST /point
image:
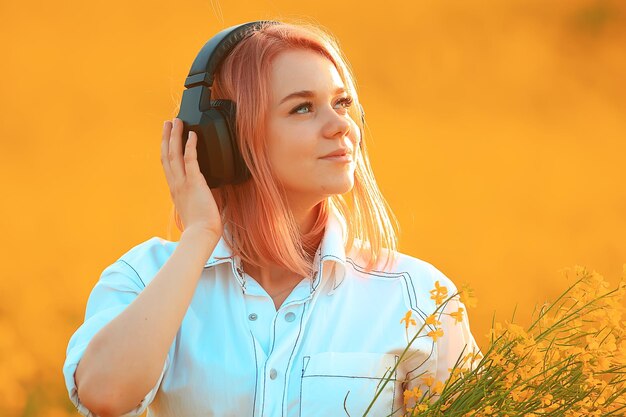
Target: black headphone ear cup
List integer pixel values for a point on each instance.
(217, 147)
(228, 110)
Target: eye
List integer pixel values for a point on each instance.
(345, 103)
(305, 105)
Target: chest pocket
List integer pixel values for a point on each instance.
(327, 378)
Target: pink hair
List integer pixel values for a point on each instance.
(263, 229)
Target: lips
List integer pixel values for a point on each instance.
(338, 152)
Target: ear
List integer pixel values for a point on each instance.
(362, 114)
(362, 124)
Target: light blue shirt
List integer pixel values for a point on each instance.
(235, 355)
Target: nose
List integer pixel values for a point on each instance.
(338, 125)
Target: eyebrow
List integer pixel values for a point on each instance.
(307, 94)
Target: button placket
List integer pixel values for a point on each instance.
(278, 367)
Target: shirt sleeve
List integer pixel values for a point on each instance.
(117, 287)
(442, 354)
(457, 340)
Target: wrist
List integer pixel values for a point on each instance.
(201, 237)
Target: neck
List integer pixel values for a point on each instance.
(274, 278)
(305, 215)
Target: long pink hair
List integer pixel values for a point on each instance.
(262, 228)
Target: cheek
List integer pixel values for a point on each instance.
(291, 158)
(287, 150)
(355, 135)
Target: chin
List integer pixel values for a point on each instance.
(340, 188)
(312, 186)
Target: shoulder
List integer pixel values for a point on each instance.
(423, 274)
(423, 277)
(146, 258)
(418, 276)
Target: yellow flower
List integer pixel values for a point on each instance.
(456, 373)
(432, 320)
(516, 331)
(472, 357)
(413, 393)
(546, 399)
(467, 296)
(428, 380)
(458, 315)
(497, 359)
(516, 395)
(407, 318)
(518, 349)
(496, 331)
(436, 334)
(439, 293)
(438, 388)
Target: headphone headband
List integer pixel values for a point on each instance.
(215, 51)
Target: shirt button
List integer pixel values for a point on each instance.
(290, 317)
(273, 373)
(252, 316)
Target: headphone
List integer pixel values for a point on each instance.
(213, 121)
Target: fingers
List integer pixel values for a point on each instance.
(188, 188)
(191, 163)
(165, 143)
(174, 152)
(177, 169)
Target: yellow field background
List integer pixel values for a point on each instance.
(497, 132)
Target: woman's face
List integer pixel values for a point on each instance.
(307, 120)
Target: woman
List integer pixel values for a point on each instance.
(285, 293)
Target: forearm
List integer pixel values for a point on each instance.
(125, 358)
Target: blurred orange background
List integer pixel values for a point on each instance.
(497, 132)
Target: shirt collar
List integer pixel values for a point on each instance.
(330, 257)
